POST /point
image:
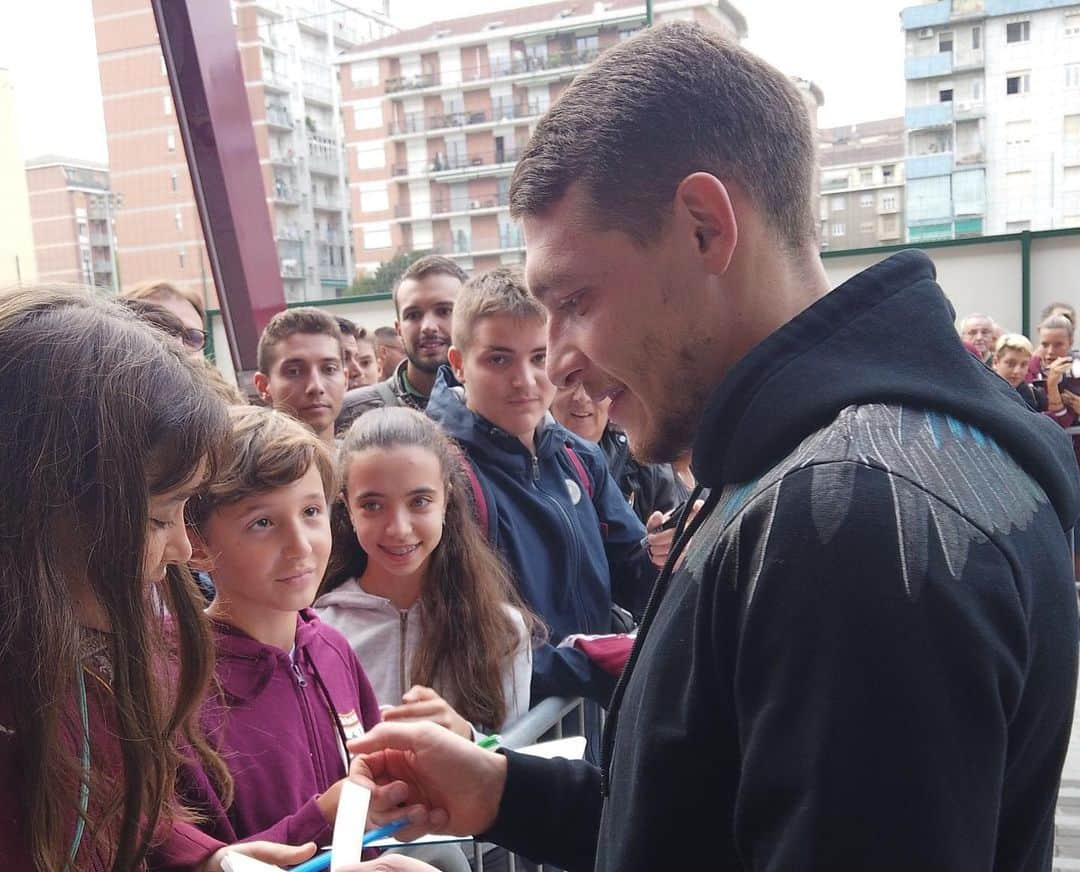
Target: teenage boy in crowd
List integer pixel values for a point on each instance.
(389, 351)
(553, 510)
(868, 658)
(301, 368)
(424, 302)
(361, 365)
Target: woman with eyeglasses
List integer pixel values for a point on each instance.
(184, 304)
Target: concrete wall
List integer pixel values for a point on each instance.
(987, 275)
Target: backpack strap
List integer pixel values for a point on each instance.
(484, 516)
(386, 393)
(579, 469)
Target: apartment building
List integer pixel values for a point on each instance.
(71, 210)
(992, 117)
(435, 118)
(287, 50)
(17, 262)
(861, 184)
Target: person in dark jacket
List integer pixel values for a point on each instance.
(647, 487)
(553, 510)
(867, 659)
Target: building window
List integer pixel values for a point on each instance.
(838, 230)
(838, 204)
(976, 90)
(1018, 83)
(1072, 75)
(170, 141)
(1018, 31)
(976, 38)
(172, 181)
(945, 42)
(1072, 24)
(888, 202)
(866, 177)
(866, 227)
(586, 44)
(945, 95)
(866, 201)
(181, 254)
(166, 104)
(887, 172)
(179, 219)
(888, 226)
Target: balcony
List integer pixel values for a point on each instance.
(333, 273)
(318, 92)
(927, 165)
(442, 208)
(972, 157)
(328, 203)
(930, 115)
(926, 15)
(276, 81)
(100, 240)
(940, 64)
(324, 155)
(290, 269)
(450, 167)
(417, 122)
(278, 116)
(969, 110)
(462, 245)
(96, 209)
(1071, 153)
(968, 59)
(102, 266)
(285, 161)
(285, 193)
(888, 205)
(523, 67)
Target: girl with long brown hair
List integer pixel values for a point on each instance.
(415, 587)
(105, 430)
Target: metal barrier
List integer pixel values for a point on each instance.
(546, 720)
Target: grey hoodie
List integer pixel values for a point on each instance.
(385, 639)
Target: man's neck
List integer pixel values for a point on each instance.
(269, 626)
(422, 382)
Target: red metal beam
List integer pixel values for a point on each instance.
(198, 41)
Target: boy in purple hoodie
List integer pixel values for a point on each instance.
(289, 690)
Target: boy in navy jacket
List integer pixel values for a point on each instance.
(553, 510)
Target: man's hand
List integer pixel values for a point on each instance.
(1071, 401)
(268, 852)
(424, 704)
(441, 781)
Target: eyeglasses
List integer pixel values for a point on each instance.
(194, 338)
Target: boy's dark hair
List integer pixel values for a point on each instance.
(674, 100)
(430, 265)
(351, 328)
(288, 323)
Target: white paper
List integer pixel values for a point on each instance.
(243, 863)
(572, 748)
(349, 825)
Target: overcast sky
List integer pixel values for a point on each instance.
(853, 49)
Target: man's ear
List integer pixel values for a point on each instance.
(703, 207)
(201, 558)
(262, 386)
(456, 361)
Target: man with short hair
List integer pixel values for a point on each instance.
(388, 350)
(981, 333)
(863, 662)
(301, 368)
(361, 367)
(424, 303)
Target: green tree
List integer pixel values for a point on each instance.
(384, 278)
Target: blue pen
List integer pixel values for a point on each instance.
(322, 861)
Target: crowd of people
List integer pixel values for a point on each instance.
(628, 475)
